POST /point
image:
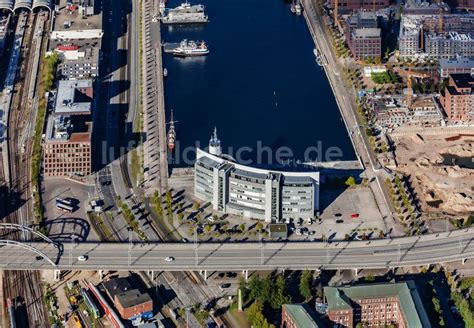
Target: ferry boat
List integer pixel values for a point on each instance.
(171, 137)
(165, 72)
(185, 13)
(190, 49)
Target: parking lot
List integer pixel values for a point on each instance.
(61, 224)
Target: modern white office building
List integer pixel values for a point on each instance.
(253, 192)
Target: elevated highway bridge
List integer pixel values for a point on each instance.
(445, 247)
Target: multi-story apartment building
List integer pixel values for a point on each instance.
(460, 65)
(254, 192)
(409, 37)
(376, 305)
(448, 45)
(457, 98)
(67, 144)
(360, 4)
(366, 44)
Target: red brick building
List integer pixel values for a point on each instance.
(376, 305)
(67, 144)
(360, 4)
(457, 98)
(129, 301)
(366, 44)
(297, 316)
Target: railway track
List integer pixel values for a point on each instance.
(23, 286)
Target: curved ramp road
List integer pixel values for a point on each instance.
(398, 252)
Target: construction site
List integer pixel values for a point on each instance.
(440, 168)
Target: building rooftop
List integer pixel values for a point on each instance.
(410, 302)
(121, 290)
(462, 62)
(75, 18)
(74, 97)
(74, 128)
(301, 315)
(370, 32)
(463, 80)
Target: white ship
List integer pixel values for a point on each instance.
(185, 13)
(298, 9)
(190, 49)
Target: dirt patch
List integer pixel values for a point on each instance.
(441, 171)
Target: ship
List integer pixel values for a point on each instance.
(318, 57)
(298, 9)
(185, 13)
(191, 49)
(171, 137)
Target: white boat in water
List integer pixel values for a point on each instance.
(191, 49)
(165, 72)
(317, 55)
(298, 9)
(185, 13)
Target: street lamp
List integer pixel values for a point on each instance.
(130, 245)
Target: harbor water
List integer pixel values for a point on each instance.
(260, 86)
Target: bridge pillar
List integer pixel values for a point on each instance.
(101, 274)
(57, 275)
(203, 273)
(356, 273)
(246, 274)
(151, 274)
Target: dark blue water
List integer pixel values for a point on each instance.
(259, 85)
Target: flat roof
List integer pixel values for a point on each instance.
(78, 22)
(125, 293)
(369, 32)
(464, 62)
(68, 100)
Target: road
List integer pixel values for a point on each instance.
(397, 252)
(346, 104)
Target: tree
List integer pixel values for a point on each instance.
(306, 281)
(279, 293)
(266, 288)
(350, 182)
(255, 287)
(242, 227)
(197, 206)
(207, 228)
(259, 226)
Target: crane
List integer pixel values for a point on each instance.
(409, 89)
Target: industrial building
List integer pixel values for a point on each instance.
(130, 302)
(67, 144)
(457, 98)
(17, 5)
(459, 65)
(376, 305)
(253, 192)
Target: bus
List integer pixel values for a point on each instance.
(65, 201)
(64, 207)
